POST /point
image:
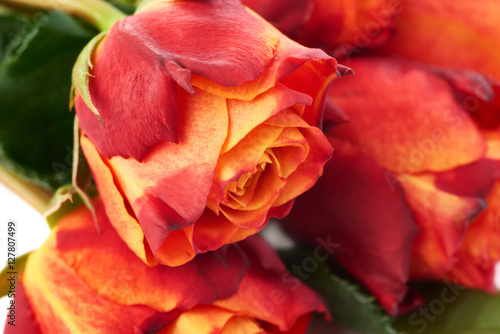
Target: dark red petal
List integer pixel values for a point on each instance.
(358, 211)
(474, 180)
(289, 16)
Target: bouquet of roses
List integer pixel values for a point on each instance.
(159, 138)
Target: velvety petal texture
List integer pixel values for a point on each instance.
(84, 281)
(218, 132)
(412, 173)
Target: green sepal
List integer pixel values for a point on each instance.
(64, 200)
(81, 74)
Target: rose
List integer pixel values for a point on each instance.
(411, 172)
(338, 27)
(206, 132)
(83, 281)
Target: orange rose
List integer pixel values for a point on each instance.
(201, 142)
(411, 173)
(82, 281)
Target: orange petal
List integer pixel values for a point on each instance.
(125, 279)
(211, 232)
(21, 318)
(64, 303)
(480, 250)
(125, 224)
(443, 219)
(468, 38)
(244, 116)
(308, 172)
(187, 167)
(269, 293)
(209, 320)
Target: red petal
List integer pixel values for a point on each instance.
(23, 319)
(268, 292)
(144, 59)
(352, 201)
(207, 278)
(443, 219)
(433, 132)
(289, 16)
(480, 250)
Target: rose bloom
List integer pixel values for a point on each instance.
(412, 171)
(338, 27)
(208, 128)
(83, 281)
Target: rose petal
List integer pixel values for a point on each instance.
(432, 134)
(353, 200)
(122, 220)
(126, 280)
(443, 219)
(265, 294)
(209, 319)
(468, 34)
(245, 116)
(211, 232)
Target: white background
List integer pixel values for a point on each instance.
(32, 230)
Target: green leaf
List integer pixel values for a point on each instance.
(450, 309)
(5, 286)
(36, 127)
(349, 306)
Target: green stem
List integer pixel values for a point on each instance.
(100, 14)
(37, 197)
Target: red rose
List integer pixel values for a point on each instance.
(82, 281)
(411, 173)
(201, 142)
